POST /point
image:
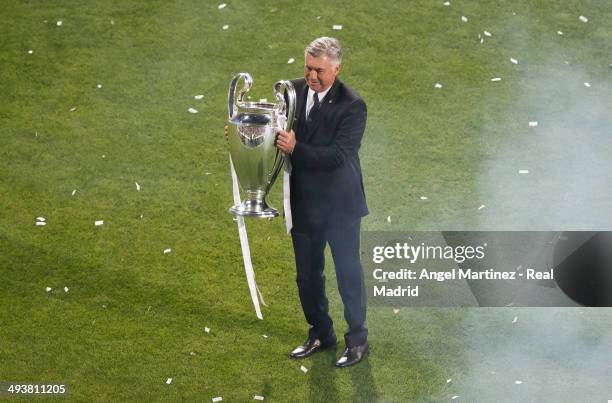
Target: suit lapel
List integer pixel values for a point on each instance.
(301, 91)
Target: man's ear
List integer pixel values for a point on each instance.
(337, 69)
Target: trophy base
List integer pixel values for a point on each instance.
(254, 209)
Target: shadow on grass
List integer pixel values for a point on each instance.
(364, 388)
(323, 374)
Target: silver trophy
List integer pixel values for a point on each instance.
(252, 137)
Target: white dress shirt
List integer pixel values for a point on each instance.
(310, 99)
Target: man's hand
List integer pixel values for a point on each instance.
(285, 141)
(225, 131)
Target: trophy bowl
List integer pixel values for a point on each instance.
(252, 136)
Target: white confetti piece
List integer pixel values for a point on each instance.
(59, 23)
(337, 27)
(192, 110)
(40, 219)
(424, 197)
(304, 369)
(464, 18)
(533, 123)
(30, 51)
(217, 399)
(454, 397)
(256, 397)
(167, 250)
(487, 33)
(225, 27)
(66, 289)
(112, 22)
(99, 222)
(388, 218)
(104, 306)
(99, 86)
(40, 223)
(559, 32)
(199, 97)
(74, 192)
(192, 353)
(221, 6)
(137, 186)
(515, 319)
(168, 381)
(513, 60)
(290, 61)
(588, 85)
(74, 108)
(48, 289)
(481, 207)
(518, 382)
(481, 41)
(395, 311)
(265, 336)
(263, 100)
(437, 85)
(449, 380)
(523, 171)
(207, 330)
(494, 79)
(583, 18)
(446, 3)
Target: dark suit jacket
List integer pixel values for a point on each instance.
(326, 182)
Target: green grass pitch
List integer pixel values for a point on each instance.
(99, 102)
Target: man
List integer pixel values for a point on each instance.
(327, 198)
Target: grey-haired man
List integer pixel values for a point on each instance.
(327, 198)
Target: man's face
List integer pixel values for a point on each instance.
(320, 72)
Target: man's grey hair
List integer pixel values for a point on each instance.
(325, 46)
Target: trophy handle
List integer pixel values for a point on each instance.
(282, 88)
(232, 100)
(283, 107)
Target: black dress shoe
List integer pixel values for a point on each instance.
(312, 345)
(352, 355)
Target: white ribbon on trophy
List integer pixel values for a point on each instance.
(244, 244)
(287, 196)
(282, 121)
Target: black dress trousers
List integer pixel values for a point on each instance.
(309, 246)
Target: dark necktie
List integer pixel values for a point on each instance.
(315, 107)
